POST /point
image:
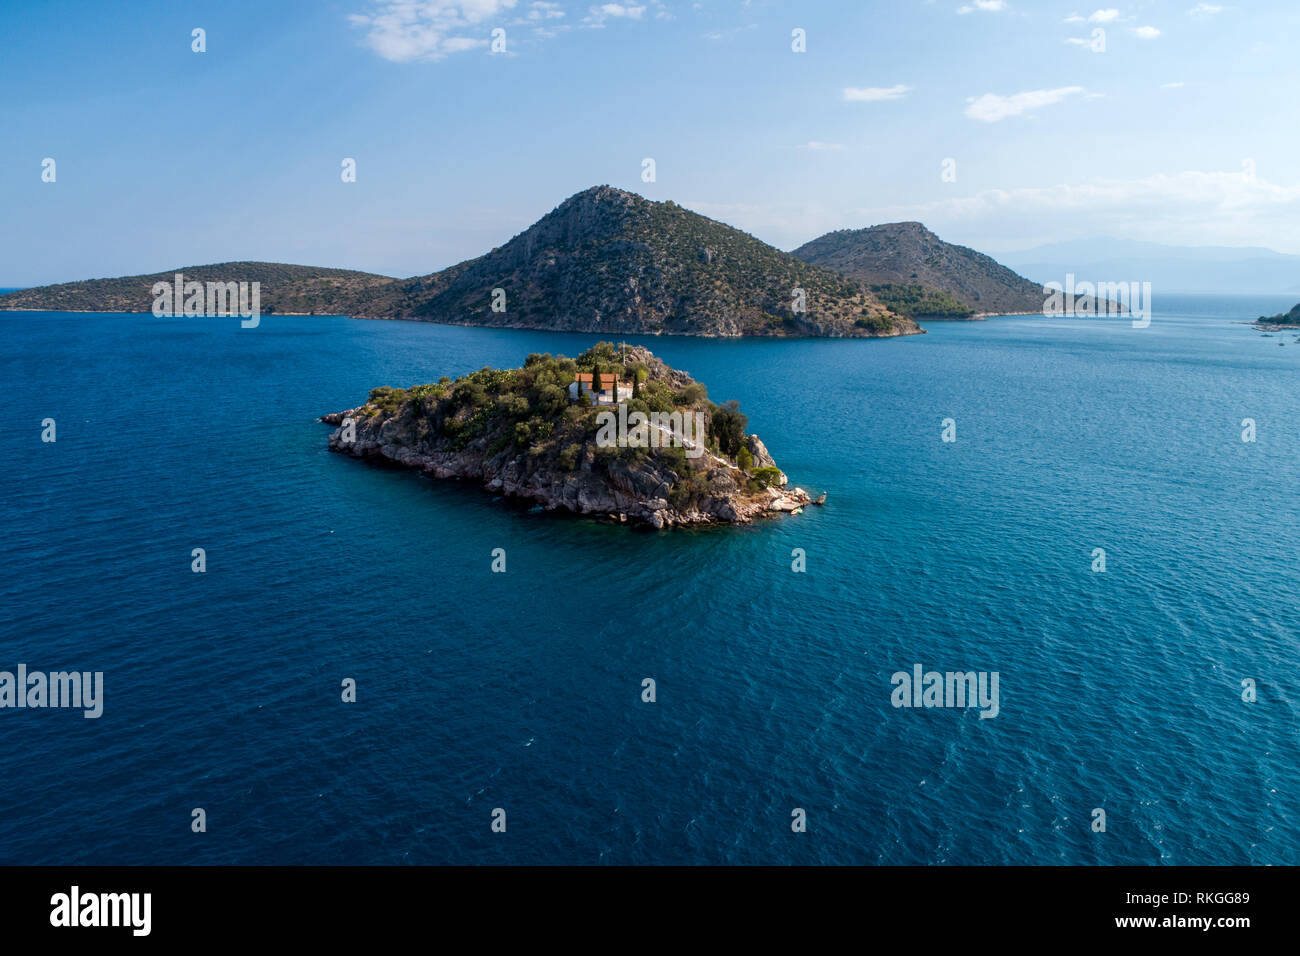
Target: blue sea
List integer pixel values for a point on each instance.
(1120, 690)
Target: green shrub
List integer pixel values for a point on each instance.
(568, 458)
(727, 428)
(692, 394)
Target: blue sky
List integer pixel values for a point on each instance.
(1180, 131)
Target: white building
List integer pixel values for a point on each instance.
(605, 391)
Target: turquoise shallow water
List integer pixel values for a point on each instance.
(521, 690)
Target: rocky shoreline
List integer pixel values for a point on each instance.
(629, 495)
(1285, 322)
(568, 469)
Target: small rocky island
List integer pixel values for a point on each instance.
(614, 433)
(1287, 320)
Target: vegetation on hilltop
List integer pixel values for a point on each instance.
(607, 260)
(283, 288)
(1284, 320)
(916, 301)
(907, 253)
(603, 261)
(526, 414)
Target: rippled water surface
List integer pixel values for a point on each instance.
(521, 690)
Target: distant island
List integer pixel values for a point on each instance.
(288, 289)
(604, 261)
(614, 433)
(608, 261)
(1286, 320)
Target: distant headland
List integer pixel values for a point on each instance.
(1286, 320)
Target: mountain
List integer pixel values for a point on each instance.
(284, 288)
(906, 254)
(604, 260)
(1205, 269)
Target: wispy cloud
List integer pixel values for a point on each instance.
(728, 34)
(1147, 33)
(983, 6)
(1197, 206)
(1205, 10)
(598, 15)
(1109, 15)
(1176, 85)
(406, 30)
(873, 94)
(991, 108)
(543, 10)
(1191, 207)
(544, 19)
(818, 146)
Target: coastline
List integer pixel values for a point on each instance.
(474, 325)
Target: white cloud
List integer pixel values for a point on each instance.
(596, 16)
(1185, 208)
(1215, 208)
(1205, 10)
(728, 34)
(542, 10)
(816, 145)
(990, 108)
(983, 6)
(406, 30)
(1147, 33)
(1109, 15)
(873, 94)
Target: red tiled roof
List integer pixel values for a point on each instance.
(607, 380)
